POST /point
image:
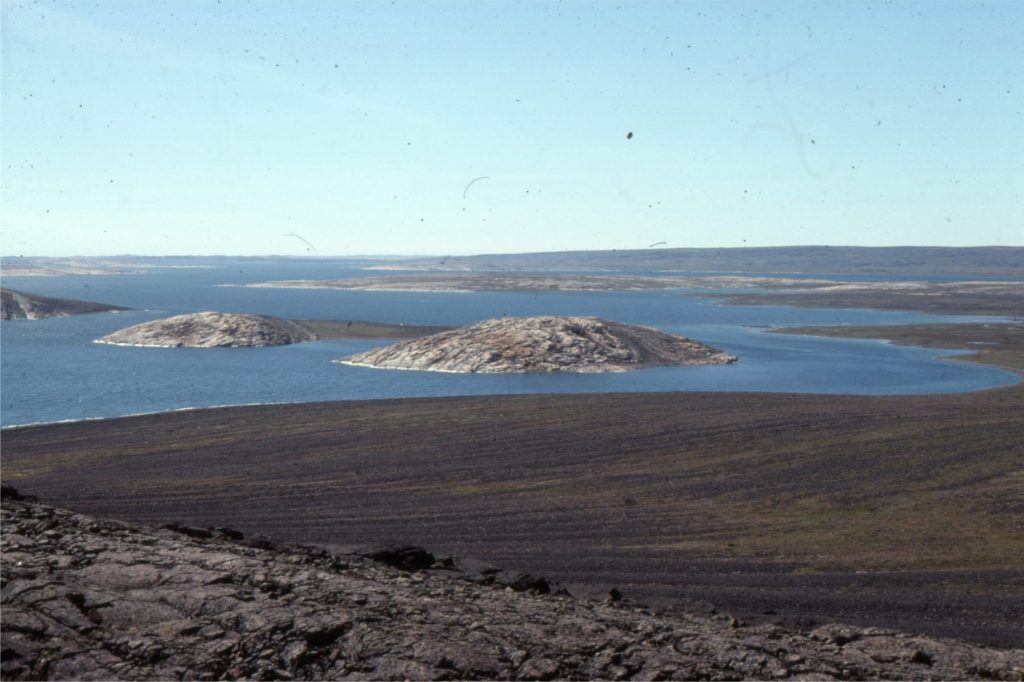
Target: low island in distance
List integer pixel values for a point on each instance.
(542, 344)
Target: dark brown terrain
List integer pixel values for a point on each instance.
(85, 598)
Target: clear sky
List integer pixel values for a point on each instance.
(223, 127)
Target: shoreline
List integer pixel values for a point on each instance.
(935, 335)
(1002, 298)
(192, 408)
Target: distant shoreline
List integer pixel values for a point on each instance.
(969, 297)
(493, 282)
(1003, 344)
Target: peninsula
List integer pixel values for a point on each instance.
(542, 344)
(19, 305)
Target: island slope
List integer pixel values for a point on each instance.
(542, 344)
(211, 330)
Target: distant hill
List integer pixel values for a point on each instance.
(19, 305)
(903, 260)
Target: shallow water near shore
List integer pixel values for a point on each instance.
(52, 370)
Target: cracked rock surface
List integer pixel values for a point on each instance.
(85, 598)
(211, 330)
(542, 344)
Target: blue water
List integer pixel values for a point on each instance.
(52, 371)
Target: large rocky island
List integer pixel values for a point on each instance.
(19, 305)
(211, 330)
(542, 344)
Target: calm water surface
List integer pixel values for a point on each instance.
(52, 371)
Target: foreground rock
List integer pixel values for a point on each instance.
(91, 599)
(18, 305)
(543, 344)
(211, 330)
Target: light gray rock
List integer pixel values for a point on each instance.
(542, 344)
(211, 330)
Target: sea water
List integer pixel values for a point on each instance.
(52, 370)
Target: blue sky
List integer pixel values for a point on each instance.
(222, 127)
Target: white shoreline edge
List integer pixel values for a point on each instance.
(157, 345)
(617, 369)
(191, 408)
(137, 345)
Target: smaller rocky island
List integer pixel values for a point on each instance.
(211, 330)
(19, 305)
(542, 344)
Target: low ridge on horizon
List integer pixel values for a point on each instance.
(951, 261)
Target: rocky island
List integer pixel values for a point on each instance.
(542, 344)
(19, 305)
(211, 330)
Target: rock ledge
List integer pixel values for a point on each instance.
(85, 598)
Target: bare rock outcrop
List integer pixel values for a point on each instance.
(542, 344)
(211, 330)
(19, 305)
(85, 598)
